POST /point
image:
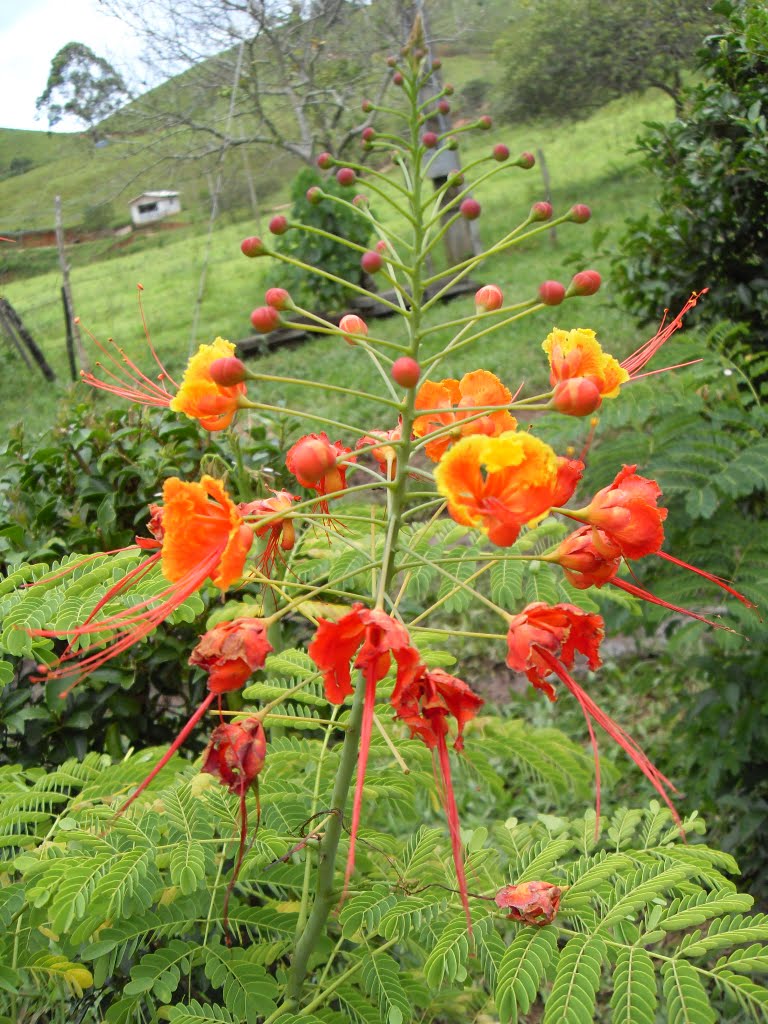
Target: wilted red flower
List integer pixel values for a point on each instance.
(379, 638)
(232, 651)
(282, 532)
(424, 699)
(236, 753)
(531, 902)
(544, 639)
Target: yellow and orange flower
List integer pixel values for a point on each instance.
(454, 400)
(199, 397)
(577, 354)
(499, 484)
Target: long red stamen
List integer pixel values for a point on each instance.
(708, 576)
(614, 730)
(647, 351)
(169, 753)
(646, 595)
(453, 824)
(362, 763)
(149, 341)
(240, 854)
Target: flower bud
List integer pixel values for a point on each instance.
(278, 298)
(406, 372)
(429, 140)
(360, 201)
(382, 246)
(586, 282)
(324, 161)
(278, 225)
(227, 371)
(436, 64)
(488, 298)
(580, 213)
(252, 247)
(397, 78)
(485, 122)
(576, 396)
(443, 106)
(265, 319)
(314, 195)
(447, 88)
(451, 142)
(526, 161)
(352, 324)
(391, 61)
(366, 106)
(312, 459)
(371, 262)
(541, 211)
(368, 133)
(456, 180)
(551, 293)
(500, 152)
(346, 176)
(470, 209)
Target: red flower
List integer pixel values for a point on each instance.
(544, 639)
(378, 637)
(628, 514)
(282, 532)
(588, 558)
(384, 453)
(424, 699)
(236, 753)
(314, 461)
(531, 902)
(230, 652)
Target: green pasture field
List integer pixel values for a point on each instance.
(589, 161)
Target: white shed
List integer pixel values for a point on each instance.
(152, 206)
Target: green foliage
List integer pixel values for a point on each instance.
(564, 58)
(82, 85)
(336, 237)
(712, 168)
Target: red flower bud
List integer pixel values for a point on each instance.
(369, 133)
(252, 247)
(576, 396)
(456, 180)
(397, 78)
(278, 225)
(448, 89)
(366, 106)
(346, 176)
(541, 211)
(278, 298)
(429, 140)
(265, 319)
(580, 213)
(382, 246)
(391, 61)
(443, 106)
(488, 298)
(406, 372)
(470, 209)
(227, 371)
(551, 293)
(314, 195)
(324, 161)
(485, 122)
(312, 458)
(586, 282)
(371, 262)
(352, 324)
(361, 202)
(500, 152)
(526, 161)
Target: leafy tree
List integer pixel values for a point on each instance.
(712, 163)
(567, 57)
(82, 85)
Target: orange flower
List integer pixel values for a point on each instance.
(200, 535)
(530, 902)
(523, 479)
(627, 512)
(379, 637)
(282, 532)
(544, 639)
(384, 453)
(452, 398)
(231, 652)
(314, 461)
(577, 354)
(424, 700)
(199, 397)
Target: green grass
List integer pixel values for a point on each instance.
(105, 292)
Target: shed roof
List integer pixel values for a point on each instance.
(153, 195)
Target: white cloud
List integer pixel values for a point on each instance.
(32, 34)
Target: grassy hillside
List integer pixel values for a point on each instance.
(588, 162)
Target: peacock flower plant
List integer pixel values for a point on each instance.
(450, 410)
(543, 640)
(425, 699)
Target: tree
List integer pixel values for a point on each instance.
(259, 72)
(82, 85)
(564, 58)
(712, 164)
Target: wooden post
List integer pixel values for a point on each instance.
(15, 329)
(70, 339)
(83, 357)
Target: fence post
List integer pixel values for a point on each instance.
(69, 306)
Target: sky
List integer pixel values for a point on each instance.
(31, 33)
